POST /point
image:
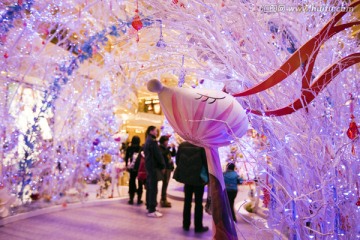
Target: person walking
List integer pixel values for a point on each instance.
(190, 161)
(167, 153)
(155, 166)
(130, 158)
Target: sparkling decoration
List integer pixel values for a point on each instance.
(80, 62)
(182, 74)
(161, 43)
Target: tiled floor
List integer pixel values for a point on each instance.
(115, 220)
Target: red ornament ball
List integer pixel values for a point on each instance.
(353, 131)
(136, 23)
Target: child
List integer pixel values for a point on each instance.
(231, 179)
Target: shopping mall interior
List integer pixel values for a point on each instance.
(270, 87)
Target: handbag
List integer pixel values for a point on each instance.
(141, 176)
(133, 160)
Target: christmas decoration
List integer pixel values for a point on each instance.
(182, 74)
(136, 23)
(66, 52)
(353, 130)
(161, 43)
(211, 119)
(306, 55)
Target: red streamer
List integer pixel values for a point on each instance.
(306, 55)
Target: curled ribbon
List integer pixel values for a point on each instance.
(305, 57)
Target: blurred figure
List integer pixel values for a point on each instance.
(130, 158)
(231, 179)
(190, 162)
(154, 163)
(167, 153)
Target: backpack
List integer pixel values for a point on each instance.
(141, 176)
(189, 168)
(133, 160)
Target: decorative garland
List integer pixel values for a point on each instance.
(12, 13)
(61, 78)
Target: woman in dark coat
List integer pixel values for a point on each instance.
(131, 154)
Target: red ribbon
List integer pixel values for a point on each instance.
(306, 55)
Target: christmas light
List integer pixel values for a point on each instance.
(231, 47)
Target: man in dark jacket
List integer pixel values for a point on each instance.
(153, 162)
(167, 153)
(190, 160)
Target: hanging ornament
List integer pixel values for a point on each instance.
(136, 23)
(161, 43)
(353, 130)
(182, 74)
